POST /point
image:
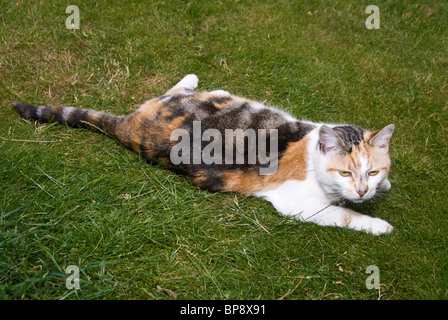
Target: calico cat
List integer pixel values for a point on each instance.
(312, 165)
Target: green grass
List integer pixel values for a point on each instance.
(137, 231)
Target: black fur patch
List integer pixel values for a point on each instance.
(26, 110)
(351, 135)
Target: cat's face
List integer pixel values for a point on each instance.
(354, 163)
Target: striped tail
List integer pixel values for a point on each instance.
(84, 118)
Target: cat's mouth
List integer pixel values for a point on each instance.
(343, 200)
(359, 199)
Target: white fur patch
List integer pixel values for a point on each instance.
(221, 93)
(190, 81)
(39, 111)
(66, 112)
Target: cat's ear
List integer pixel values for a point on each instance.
(329, 140)
(381, 138)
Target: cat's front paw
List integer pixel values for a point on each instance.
(385, 185)
(371, 225)
(379, 226)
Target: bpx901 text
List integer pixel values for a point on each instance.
(243, 309)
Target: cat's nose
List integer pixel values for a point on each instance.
(361, 192)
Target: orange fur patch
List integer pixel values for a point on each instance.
(293, 166)
(149, 109)
(175, 91)
(162, 131)
(129, 132)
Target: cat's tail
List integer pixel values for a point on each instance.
(75, 117)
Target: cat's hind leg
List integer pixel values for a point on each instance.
(189, 82)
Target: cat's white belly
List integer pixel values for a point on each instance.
(297, 198)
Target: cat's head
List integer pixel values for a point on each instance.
(353, 163)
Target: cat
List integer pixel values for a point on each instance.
(316, 164)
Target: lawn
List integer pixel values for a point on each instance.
(70, 197)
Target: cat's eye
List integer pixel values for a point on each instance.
(345, 173)
(373, 173)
